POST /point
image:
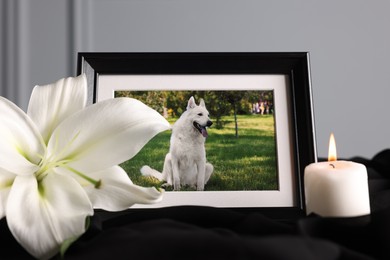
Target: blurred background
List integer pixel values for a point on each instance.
(348, 41)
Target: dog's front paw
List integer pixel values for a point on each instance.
(176, 186)
(200, 188)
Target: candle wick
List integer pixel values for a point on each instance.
(331, 164)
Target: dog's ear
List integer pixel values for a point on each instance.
(191, 103)
(202, 104)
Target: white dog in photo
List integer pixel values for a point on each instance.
(185, 164)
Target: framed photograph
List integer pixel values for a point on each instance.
(260, 104)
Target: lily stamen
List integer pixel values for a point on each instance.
(96, 183)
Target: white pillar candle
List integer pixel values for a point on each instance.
(336, 189)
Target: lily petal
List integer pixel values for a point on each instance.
(50, 104)
(21, 145)
(41, 216)
(6, 180)
(105, 134)
(117, 192)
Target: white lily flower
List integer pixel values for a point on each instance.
(59, 161)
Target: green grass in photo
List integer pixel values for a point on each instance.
(246, 162)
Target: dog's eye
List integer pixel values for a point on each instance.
(200, 114)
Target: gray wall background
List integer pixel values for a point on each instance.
(348, 41)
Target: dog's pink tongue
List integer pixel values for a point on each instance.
(204, 132)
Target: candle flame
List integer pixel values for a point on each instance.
(332, 154)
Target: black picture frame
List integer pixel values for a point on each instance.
(295, 65)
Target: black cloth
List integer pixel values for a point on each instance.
(191, 232)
